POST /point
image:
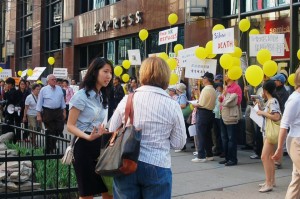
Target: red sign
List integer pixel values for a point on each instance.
(281, 26)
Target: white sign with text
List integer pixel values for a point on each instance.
(223, 41)
(196, 67)
(37, 72)
(6, 73)
(273, 42)
(167, 36)
(185, 54)
(60, 73)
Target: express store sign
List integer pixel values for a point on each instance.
(281, 26)
(117, 23)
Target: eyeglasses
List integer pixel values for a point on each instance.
(53, 79)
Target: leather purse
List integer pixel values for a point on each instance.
(121, 154)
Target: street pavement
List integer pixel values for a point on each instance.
(210, 180)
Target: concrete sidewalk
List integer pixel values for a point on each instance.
(214, 181)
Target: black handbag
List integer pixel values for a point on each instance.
(121, 155)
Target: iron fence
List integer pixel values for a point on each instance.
(27, 171)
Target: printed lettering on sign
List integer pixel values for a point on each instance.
(273, 42)
(167, 36)
(223, 41)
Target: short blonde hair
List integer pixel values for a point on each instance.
(297, 78)
(155, 72)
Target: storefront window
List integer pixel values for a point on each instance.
(111, 51)
(268, 23)
(123, 46)
(252, 5)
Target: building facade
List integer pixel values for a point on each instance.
(76, 31)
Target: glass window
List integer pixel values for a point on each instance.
(111, 51)
(123, 46)
(95, 51)
(83, 57)
(55, 38)
(28, 23)
(98, 4)
(56, 13)
(234, 7)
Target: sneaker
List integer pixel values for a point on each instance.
(210, 158)
(198, 160)
(230, 163)
(195, 153)
(223, 162)
(254, 156)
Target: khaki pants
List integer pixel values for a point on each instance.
(293, 147)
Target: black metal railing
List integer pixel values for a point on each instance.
(46, 178)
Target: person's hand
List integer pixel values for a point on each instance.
(24, 119)
(39, 118)
(246, 88)
(97, 132)
(278, 154)
(64, 114)
(261, 113)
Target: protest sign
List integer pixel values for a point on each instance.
(6, 73)
(185, 54)
(195, 68)
(134, 57)
(60, 73)
(37, 72)
(223, 41)
(273, 42)
(167, 36)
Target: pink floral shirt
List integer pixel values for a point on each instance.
(69, 94)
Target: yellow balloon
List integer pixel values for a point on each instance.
(39, 82)
(254, 75)
(218, 27)
(173, 79)
(1, 69)
(235, 62)
(209, 47)
(210, 56)
(235, 73)
(118, 70)
(125, 77)
(29, 72)
(237, 52)
(177, 48)
(244, 25)
(270, 68)
(226, 61)
(143, 34)
(291, 79)
(172, 63)
(173, 18)
(126, 64)
(263, 55)
(164, 56)
(19, 73)
(51, 60)
(298, 54)
(201, 53)
(191, 107)
(254, 32)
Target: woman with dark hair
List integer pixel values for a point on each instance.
(88, 109)
(270, 112)
(23, 92)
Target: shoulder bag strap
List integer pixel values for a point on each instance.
(34, 98)
(129, 109)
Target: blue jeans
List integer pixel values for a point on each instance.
(147, 182)
(229, 140)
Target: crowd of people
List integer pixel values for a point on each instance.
(160, 112)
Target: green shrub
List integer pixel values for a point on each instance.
(54, 168)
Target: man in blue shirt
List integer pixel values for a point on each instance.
(51, 110)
